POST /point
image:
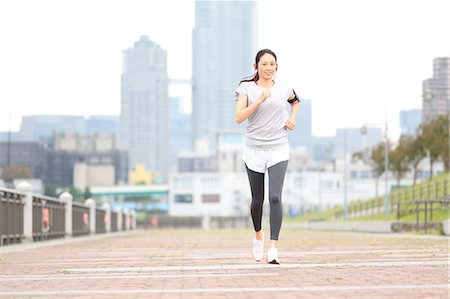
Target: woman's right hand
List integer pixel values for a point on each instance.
(265, 94)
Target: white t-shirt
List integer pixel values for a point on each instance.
(266, 125)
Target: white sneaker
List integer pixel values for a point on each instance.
(272, 256)
(258, 249)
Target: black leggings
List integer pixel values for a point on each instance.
(276, 180)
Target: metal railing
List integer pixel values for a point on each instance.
(48, 218)
(80, 219)
(11, 216)
(114, 221)
(399, 199)
(35, 217)
(424, 208)
(100, 221)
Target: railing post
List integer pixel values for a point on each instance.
(127, 219)
(25, 187)
(119, 218)
(134, 221)
(91, 204)
(417, 216)
(107, 219)
(67, 199)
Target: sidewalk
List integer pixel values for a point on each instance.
(217, 264)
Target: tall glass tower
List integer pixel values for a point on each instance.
(144, 124)
(436, 91)
(224, 46)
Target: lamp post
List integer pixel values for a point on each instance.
(345, 176)
(386, 162)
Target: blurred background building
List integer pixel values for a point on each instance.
(144, 113)
(224, 44)
(436, 90)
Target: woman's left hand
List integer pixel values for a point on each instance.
(290, 124)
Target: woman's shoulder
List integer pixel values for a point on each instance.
(247, 83)
(283, 84)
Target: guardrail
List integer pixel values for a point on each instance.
(48, 218)
(11, 216)
(400, 200)
(36, 217)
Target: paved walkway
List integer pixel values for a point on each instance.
(217, 264)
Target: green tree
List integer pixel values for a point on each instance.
(441, 128)
(16, 172)
(375, 158)
(87, 193)
(398, 159)
(415, 152)
(435, 138)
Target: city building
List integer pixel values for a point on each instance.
(224, 48)
(410, 121)
(102, 124)
(39, 127)
(144, 118)
(31, 155)
(180, 131)
(436, 91)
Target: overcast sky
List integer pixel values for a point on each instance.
(351, 58)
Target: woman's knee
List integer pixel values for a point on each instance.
(275, 199)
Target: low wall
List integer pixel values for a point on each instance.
(370, 226)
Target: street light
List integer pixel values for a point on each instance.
(386, 162)
(345, 175)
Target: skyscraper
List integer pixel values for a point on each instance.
(180, 131)
(224, 46)
(436, 91)
(144, 106)
(410, 121)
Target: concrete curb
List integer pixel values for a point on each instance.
(354, 226)
(446, 227)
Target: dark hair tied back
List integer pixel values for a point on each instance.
(260, 53)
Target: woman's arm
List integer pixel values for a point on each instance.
(295, 107)
(243, 111)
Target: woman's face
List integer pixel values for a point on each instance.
(267, 66)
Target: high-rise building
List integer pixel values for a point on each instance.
(180, 131)
(410, 121)
(102, 125)
(224, 49)
(37, 127)
(436, 90)
(144, 123)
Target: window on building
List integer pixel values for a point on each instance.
(366, 174)
(326, 184)
(182, 183)
(298, 182)
(210, 198)
(183, 198)
(210, 183)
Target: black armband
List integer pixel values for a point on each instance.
(295, 99)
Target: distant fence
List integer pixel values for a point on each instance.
(201, 222)
(422, 199)
(36, 217)
(400, 200)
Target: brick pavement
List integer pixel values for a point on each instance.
(217, 264)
